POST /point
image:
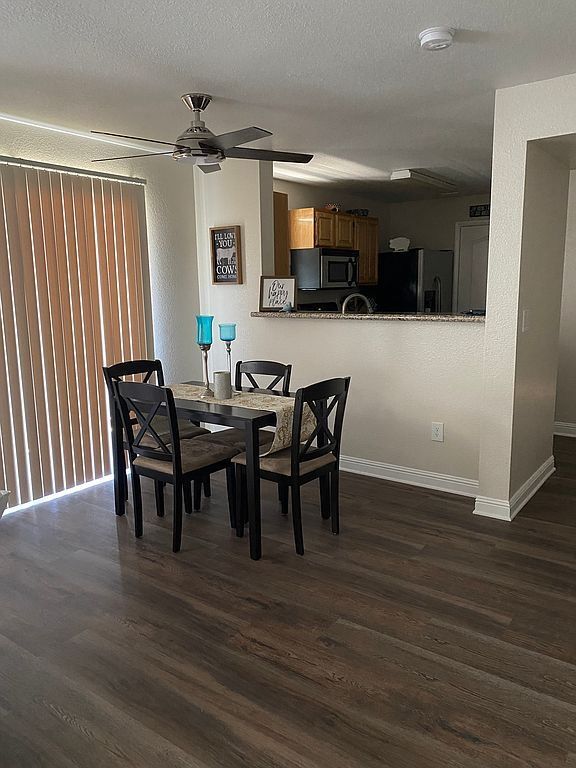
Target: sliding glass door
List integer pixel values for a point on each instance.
(72, 250)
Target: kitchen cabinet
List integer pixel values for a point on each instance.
(311, 228)
(366, 243)
(317, 228)
(344, 234)
(324, 230)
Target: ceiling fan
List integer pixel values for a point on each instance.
(200, 146)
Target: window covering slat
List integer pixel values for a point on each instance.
(71, 300)
(38, 304)
(116, 352)
(91, 283)
(120, 255)
(56, 336)
(11, 440)
(75, 362)
(15, 207)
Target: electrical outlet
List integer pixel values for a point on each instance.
(438, 431)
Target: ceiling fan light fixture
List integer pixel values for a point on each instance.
(436, 38)
(201, 147)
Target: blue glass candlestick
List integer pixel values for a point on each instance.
(227, 335)
(204, 341)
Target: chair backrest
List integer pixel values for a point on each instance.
(144, 368)
(327, 401)
(119, 371)
(278, 372)
(139, 403)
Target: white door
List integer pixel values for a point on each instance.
(471, 265)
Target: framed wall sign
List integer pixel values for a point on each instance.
(276, 292)
(477, 211)
(226, 251)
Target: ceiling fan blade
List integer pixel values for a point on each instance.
(129, 157)
(210, 168)
(232, 139)
(243, 153)
(139, 138)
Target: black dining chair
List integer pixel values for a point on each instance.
(273, 373)
(269, 374)
(167, 458)
(315, 457)
(147, 370)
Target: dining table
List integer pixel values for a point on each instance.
(207, 411)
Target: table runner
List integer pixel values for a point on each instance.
(283, 407)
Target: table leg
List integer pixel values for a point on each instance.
(118, 463)
(253, 490)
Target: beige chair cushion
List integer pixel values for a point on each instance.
(161, 425)
(280, 463)
(237, 437)
(197, 454)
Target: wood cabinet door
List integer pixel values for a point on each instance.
(372, 241)
(361, 245)
(324, 229)
(344, 230)
(302, 228)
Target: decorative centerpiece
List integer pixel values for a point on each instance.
(227, 335)
(204, 341)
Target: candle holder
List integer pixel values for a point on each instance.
(227, 335)
(204, 341)
(207, 391)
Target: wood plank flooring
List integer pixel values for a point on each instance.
(422, 637)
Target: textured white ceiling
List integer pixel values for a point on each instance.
(346, 80)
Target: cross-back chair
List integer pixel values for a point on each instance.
(308, 458)
(247, 372)
(164, 457)
(250, 374)
(148, 370)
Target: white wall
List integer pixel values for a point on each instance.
(542, 260)
(523, 113)
(431, 223)
(171, 232)
(404, 374)
(566, 388)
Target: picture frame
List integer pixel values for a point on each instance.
(226, 255)
(275, 292)
(479, 211)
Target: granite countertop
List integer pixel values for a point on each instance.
(426, 317)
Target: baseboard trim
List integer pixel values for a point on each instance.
(564, 429)
(500, 509)
(461, 486)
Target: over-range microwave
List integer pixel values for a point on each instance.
(324, 268)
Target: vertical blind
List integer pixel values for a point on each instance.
(71, 300)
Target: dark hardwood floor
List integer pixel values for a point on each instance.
(422, 637)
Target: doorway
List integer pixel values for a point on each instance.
(471, 265)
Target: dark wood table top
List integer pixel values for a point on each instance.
(227, 415)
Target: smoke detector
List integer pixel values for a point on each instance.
(436, 38)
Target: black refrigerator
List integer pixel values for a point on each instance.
(417, 280)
